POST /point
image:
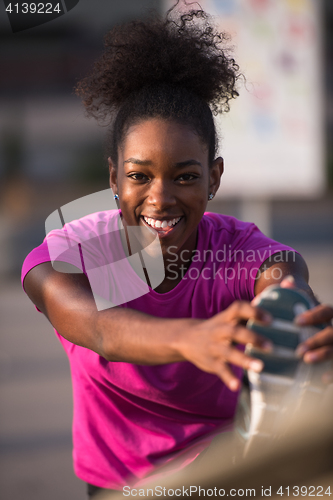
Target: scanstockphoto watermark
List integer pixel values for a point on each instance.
(226, 264)
(225, 274)
(188, 491)
(229, 254)
(263, 491)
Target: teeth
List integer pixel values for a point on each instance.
(155, 223)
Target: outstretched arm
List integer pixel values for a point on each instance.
(280, 265)
(319, 347)
(122, 334)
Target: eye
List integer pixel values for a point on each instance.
(187, 177)
(138, 177)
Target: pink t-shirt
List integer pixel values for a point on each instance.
(130, 419)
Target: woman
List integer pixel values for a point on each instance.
(156, 374)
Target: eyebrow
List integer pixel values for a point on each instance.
(180, 164)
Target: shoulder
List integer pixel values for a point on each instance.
(220, 222)
(227, 230)
(64, 243)
(92, 224)
(241, 248)
(76, 231)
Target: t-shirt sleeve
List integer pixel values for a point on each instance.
(90, 245)
(34, 258)
(45, 252)
(249, 250)
(41, 254)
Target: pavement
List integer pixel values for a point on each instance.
(36, 405)
(36, 395)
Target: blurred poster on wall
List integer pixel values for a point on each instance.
(272, 138)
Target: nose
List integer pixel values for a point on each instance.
(161, 194)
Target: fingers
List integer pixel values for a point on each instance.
(238, 358)
(243, 311)
(226, 355)
(214, 350)
(320, 346)
(229, 329)
(220, 332)
(288, 282)
(320, 314)
(227, 376)
(317, 348)
(241, 335)
(320, 354)
(224, 371)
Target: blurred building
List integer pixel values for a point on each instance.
(50, 153)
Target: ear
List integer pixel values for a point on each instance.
(215, 173)
(113, 176)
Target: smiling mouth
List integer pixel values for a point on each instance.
(161, 225)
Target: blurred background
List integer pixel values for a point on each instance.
(50, 154)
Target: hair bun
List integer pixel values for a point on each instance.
(181, 51)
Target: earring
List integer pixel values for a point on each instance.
(211, 196)
(116, 197)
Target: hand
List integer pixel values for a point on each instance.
(210, 344)
(319, 347)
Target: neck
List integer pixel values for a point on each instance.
(176, 261)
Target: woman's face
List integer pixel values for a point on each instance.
(163, 180)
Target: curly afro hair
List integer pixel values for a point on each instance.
(174, 68)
